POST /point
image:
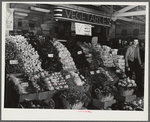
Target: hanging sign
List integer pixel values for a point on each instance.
(83, 29)
(9, 19)
(81, 16)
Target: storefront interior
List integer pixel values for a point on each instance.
(72, 56)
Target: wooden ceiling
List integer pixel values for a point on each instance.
(111, 10)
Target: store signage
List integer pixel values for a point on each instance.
(92, 72)
(13, 61)
(68, 76)
(50, 55)
(80, 16)
(98, 71)
(79, 52)
(83, 29)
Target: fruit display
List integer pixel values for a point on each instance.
(49, 81)
(37, 104)
(65, 57)
(27, 54)
(127, 83)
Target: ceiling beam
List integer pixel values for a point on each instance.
(135, 13)
(130, 20)
(21, 10)
(126, 8)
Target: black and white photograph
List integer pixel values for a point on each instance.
(75, 61)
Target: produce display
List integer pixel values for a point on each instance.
(37, 104)
(13, 59)
(20, 83)
(26, 54)
(127, 83)
(73, 70)
(65, 57)
(48, 54)
(73, 97)
(106, 93)
(48, 81)
(77, 54)
(136, 105)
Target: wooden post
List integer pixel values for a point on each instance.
(7, 31)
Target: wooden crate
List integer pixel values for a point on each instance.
(126, 98)
(103, 105)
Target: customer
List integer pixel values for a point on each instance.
(133, 62)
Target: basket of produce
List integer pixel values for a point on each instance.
(72, 99)
(139, 104)
(106, 93)
(126, 87)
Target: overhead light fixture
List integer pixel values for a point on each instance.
(39, 9)
(21, 14)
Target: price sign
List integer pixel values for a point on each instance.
(83, 29)
(50, 55)
(13, 62)
(98, 71)
(79, 52)
(68, 76)
(92, 72)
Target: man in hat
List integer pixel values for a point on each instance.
(133, 62)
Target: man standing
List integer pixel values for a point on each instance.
(133, 62)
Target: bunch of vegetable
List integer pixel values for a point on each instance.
(48, 55)
(27, 54)
(12, 54)
(108, 90)
(65, 57)
(74, 97)
(77, 54)
(127, 83)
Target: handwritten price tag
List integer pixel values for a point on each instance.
(13, 62)
(79, 52)
(68, 76)
(50, 55)
(92, 72)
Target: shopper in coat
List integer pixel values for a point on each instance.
(133, 62)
